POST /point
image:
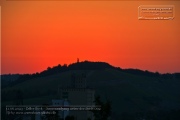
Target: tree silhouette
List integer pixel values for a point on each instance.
(105, 111)
(70, 118)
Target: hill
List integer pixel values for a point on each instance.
(132, 92)
(13, 79)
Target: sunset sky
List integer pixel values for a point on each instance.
(38, 34)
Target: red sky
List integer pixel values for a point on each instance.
(38, 34)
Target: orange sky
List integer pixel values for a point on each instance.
(38, 34)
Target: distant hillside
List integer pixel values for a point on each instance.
(11, 79)
(134, 93)
(8, 79)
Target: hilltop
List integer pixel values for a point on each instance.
(12, 79)
(131, 91)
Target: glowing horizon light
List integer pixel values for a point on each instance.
(37, 35)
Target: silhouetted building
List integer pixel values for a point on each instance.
(64, 103)
(78, 95)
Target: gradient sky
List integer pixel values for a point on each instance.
(38, 34)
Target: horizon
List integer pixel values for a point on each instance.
(82, 69)
(38, 34)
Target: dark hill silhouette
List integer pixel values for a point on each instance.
(84, 65)
(134, 93)
(87, 65)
